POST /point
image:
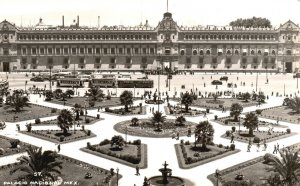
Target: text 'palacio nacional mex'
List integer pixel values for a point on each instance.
(136, 48)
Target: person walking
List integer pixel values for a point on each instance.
(232, 138)
(275, 149)
(265, 145)
(248, 147)
(258, 146)
(58, 147)
(137, 168)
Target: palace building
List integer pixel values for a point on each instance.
(120, 48)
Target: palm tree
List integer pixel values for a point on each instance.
(65, 120)
(126, 99)
(134, 121)
(181, 120)
(38, 165)
(187, 99)
(57, 93)
(288, 166)
(17, 101)
(246, 96)
(158, 117)
(204, 133)
(261, 97)
(251, 122)
(95, 94)
(70, 93)
(235, 110)
(294, 104)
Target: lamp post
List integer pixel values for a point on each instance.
(158, 86)
(217, 174)
(50, 79)
(126, 135)
(117, 176)
(239, 125)
(256, 81)
(85, 110)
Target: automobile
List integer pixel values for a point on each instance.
(224, 78)
(37, 79)
(216, 82)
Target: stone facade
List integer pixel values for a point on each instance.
(143, 47)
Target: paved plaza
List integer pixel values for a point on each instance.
(162, 149)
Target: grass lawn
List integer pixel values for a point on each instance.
(147, 129)
(130, 155)
(262, 135)
(281, 113)
(114, 101)
(55, 135)
(7, 147)
(177, 111)
(82, 121)
(72, 170)
(219, 103)
(229, 121)
(27, 113)
(189, 157)
(134, 110)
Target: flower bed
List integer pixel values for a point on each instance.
(10, 146)
(147, 129)
(134, 110)
(132, 154)
(280, 113)
(57, 135)
(178, 111)
(154, 102)
(259, 136)
(189, 157)
(220, 103)
(82, 121)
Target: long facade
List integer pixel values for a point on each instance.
(143, 47)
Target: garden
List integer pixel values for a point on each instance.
(156, 127)
(9, 146)
(117, 149)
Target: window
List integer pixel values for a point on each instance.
(288, 52)
(228, 52)
(49, 50)
(112, 51)
(81, 50)
(105, 50)
(182, 52)
(195, 52)
(97, 50)
(24, 51)
(120, 50)
(73, 50)
(90, 51)
(259, 52)
(42, 50)
(201, 60)
(151, 50)
(66, 51)
(201, 52)
(236, 52)
(188, 60)
(33, 51)
(5, 51)
(144, 50)
(252, 52)
(128, 51)
(97, 60)
(136, 50)
(207, 52)
(57, 51)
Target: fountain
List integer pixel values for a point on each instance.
(166, 178)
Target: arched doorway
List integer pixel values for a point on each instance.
(5, 66)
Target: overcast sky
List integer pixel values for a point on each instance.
(132, 12)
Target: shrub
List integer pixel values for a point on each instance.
(61, 138)
(226, 122)
(207, 110)
(136, 142)
(216, 117)
(233, 129)
(232, 147)
(98, 116)
(104, 142)
(106, 109)
(37, 121)
(220, 146)
(88, 145)
(187, 142)
(196, 154)
(288, 131)
(87, 120)
(267, 158)
(228, 132)
(53, 110)
(256, 140)
(81, 113)
(188, 160)
(258, 111)
(91, 103)
(108, 97)
(14, 143)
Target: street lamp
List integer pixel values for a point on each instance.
(217, 174)
(50, 79)
(117, 176)
(239, 125)
(126, 135)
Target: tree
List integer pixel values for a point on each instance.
(17, 101)
(57, 93)
(255, 22)
(215, 96)
(246, 96)
(251, 122)
(117, 141)
(70, 93)
(45, 163)
(126, 99)
(235, 110)
(294, 104)
(134, 121)
(181, 120)
(187, 99)
(49, 95)
(288, 166)
(65, 120)
(204, 134)
(95, 94)
(76, 109)
(64, 96)
(158, 117)
(261, 98)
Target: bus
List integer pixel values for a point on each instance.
(103, 82)
(137, 83)
(84, 77)
(70, 82)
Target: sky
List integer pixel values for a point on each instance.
(133, 12)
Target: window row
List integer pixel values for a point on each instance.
(72, 50)
(228, 37)
(84, 37)
(236, 52)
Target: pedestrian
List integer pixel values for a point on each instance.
(177, 136)
(258, 146)
(18, 127)
(248, 147)
(265, 145)
(58, 147)
(98, 109)
(137, 168)
(232, 138)
(275, 149)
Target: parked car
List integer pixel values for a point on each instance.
(224, 78)
(216, 82)
(37, 79)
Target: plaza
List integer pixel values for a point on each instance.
(160, 150)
